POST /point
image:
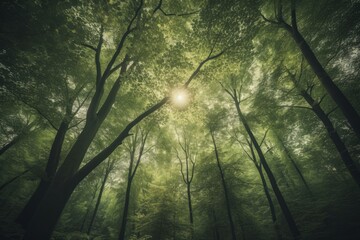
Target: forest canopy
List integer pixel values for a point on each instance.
(159, 119)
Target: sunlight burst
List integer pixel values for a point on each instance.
(180, 97)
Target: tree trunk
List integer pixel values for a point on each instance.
(47, 214)
(217, 235)
(336, 94)
(88, 209)
(297, 169)
(334, 136)
(267, 194)
(232, 227)
(107, 171)
(190, 204)
(190, 210)
(52, 164)
(126, 210)
(285, 210)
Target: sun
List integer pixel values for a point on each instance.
(180, 97)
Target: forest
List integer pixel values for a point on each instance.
(179, 120)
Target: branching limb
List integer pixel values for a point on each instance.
(129, 29)
(209, 58)
(37, 110)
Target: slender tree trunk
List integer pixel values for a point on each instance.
(88, 209)
(217, 235)
(50, 170)
(336, 94)
(267, 194)
(293, 162)
(107, 171)
(285, 210)
(232, 227)
(126, 210)
(334, 136)
(12, 179)
(190, 203)
(270, 202)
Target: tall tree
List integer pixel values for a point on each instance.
(232, 227)
(109, 167)
(334, 91)
(187, 157)
(136, 150)
(236, 97)
(315, 106)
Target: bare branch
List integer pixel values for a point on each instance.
(76, 124)
(262, 141)
(159, 8)
(37, 110)
(322, 98)
(243, 148)
(268, 150)
(269, 20)
(181, 166)
(88, 46)
(332, 110)
(193, 75)
(226, 90)
(294, 106)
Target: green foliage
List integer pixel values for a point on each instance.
(48, 75)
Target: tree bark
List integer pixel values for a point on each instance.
(47, 214)
(283, 205)
(334, 136)
(227, 201)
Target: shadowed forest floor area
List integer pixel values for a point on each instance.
(180, 120)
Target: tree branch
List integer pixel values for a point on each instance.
(87, 45)
(209, 58)
(262, 141)
(293, 106)
(121, 43)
